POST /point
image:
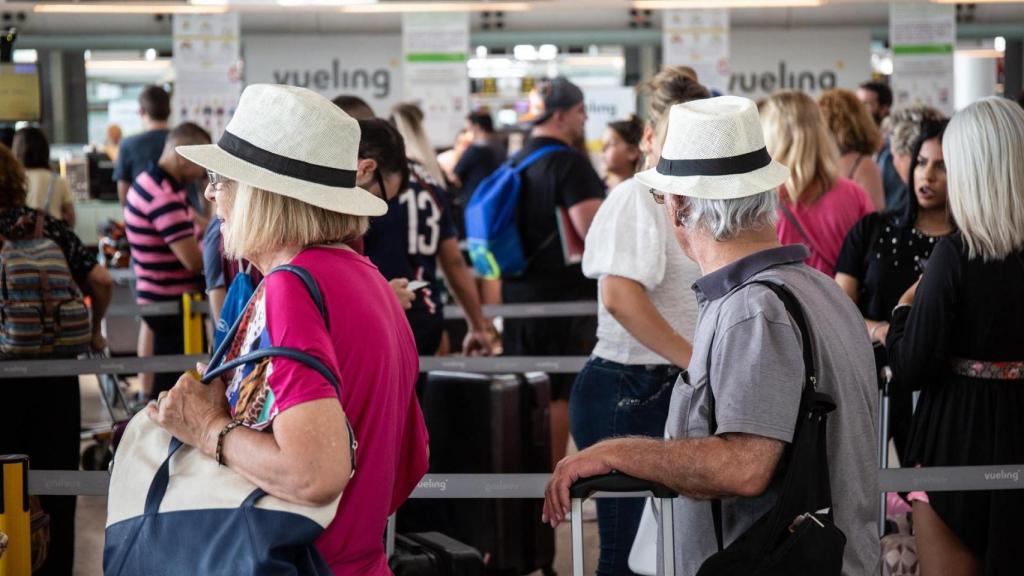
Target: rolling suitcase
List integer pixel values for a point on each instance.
(434, 554)
(620, 483)
(488, 424)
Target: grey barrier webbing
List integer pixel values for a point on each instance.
(498, 486)
(502, 364)
(132, 364)
(126, 365)
(537, 310)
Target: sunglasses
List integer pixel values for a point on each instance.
(659, 198)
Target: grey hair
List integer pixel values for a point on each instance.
(904, 126)
(727, 219)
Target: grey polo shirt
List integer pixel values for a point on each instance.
(757, 374)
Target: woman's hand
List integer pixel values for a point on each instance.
(908, 296)
(405, 296)
(192, 412)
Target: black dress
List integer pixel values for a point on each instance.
(886, 256)
(972, 310)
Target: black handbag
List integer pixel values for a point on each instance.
(798, 535)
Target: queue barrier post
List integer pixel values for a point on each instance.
(193, 324)
(15, 516)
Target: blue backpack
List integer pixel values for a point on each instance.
(491, 232)
(235, 301)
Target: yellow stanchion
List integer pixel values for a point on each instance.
(193, 324)
(15, 517)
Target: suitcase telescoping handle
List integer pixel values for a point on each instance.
(616, 482)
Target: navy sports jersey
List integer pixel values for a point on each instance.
(404, 243)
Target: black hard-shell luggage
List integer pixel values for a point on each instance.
(434, 554)
(488, 424)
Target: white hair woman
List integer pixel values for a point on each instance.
(956, 336)
(294, 191)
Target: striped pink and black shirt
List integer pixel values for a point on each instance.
(156, 215)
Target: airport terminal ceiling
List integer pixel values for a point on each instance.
(40, 23)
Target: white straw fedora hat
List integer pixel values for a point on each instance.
(714, 149)
(293, 142)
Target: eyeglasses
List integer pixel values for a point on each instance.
(380, 183)
(218, 181)
(659, 198)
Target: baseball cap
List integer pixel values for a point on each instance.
(558, 94)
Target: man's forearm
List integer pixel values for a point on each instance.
(462, 284)
(700, 468)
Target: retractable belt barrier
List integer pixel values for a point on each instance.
(485, 486)
(500, 486)
(21, 369)
(531, 310)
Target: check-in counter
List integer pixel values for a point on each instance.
(89, 214)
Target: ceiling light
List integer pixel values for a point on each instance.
(322, 3)
(979, 53)
(140, 65)
(547, 52)
(380, 8)
(710, 4)
(128, 9)
(25, 56)
(976, 1)
(524, 52)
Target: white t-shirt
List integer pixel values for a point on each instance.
(631, 237)
(38, 180)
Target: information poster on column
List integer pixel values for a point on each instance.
(698, 39)
(435, 47)
(207, 68)
(605, 105)
(922, 36)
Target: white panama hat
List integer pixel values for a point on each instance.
(293, 142)
(714, 149)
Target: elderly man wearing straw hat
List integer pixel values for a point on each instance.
(290, 188)
(718, 184)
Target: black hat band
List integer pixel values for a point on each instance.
(313, 173)
(715, 166)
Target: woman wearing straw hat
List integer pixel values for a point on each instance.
(291, 189)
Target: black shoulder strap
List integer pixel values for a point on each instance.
(810, 381)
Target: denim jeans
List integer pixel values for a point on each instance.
(608, 400)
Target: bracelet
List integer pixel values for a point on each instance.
(220, 439)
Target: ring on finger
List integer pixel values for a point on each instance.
(160, 397)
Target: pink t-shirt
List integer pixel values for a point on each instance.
(370, 346)
(826, 222)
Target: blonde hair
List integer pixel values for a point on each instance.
(983, 146)
(796, 136)
(672, 85)
(262, 222)
(850, 123)
(408, 118)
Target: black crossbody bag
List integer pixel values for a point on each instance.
(798, 535)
